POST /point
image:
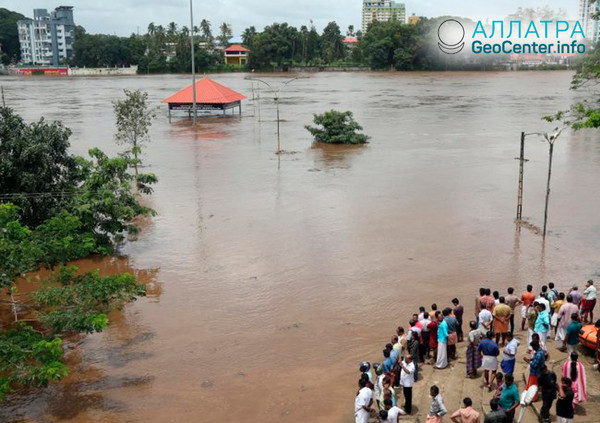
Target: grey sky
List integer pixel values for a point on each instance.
(122, 17)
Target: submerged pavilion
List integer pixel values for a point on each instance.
(210, 95)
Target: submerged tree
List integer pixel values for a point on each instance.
(88, 208)
(337, 128)
(134, 119)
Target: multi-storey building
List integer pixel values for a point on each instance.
(47, 39)
(587, 10)
(382, 10)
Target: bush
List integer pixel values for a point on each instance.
(337, 128)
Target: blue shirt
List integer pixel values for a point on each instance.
(542, 322)
(488, 347)
(388, 364)
(443, 332)
(538, 360)
(394, 355)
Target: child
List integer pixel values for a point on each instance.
(499, 385)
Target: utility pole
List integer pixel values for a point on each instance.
(521, 166)
(551, 139)
(3, 102)
(193, 63)
(548, 186)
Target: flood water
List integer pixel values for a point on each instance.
(271, 279)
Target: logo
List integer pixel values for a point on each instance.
(451, 34)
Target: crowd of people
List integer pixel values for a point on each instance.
(431, 337)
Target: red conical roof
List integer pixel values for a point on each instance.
(207, 91)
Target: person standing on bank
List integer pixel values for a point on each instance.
(565, 318)
(437, 409)
(496, 415)
(527, 299)
(458, 313)
(473, 356)
(535, 362)
(407, 380)
(564, 405)
(363, 402)
(466, 414)
(575, 371)
(510, 354)
(542, 322)
(509, 399)
(501, 320)
(452, 332)
(547, 382)
(513, 302)
(442, 350)
(433, 335)
(489, 350)
(588, 302)
(573, 332)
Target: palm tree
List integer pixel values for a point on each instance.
(171, 31)
(151, 29)
(225, 34)
(248, 36)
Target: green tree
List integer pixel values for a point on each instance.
(225, 34)
(37, 173)
(276, 45)
(332, 44)
(585, 113)
(94, 217)
(248, 37)
(337, 128)
(134, 119)
(105, 202)
(206, 34)
(9, 37)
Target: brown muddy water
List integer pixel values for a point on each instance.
(271, 279)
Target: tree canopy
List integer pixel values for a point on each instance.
(54, 208)
(9, 37)
(337, 128)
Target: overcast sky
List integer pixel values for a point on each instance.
(122, 17)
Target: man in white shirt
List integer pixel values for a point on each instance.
(542, 300)
(485, 320)
(393, 412)
(407, 380)
(362, 403)
(589, 302)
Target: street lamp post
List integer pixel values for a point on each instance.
(193, 64)
(550, 139)
(522, 161)
(276, 98)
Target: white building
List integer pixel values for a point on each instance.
(382, 10)
(587, 8)
(47, 39)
